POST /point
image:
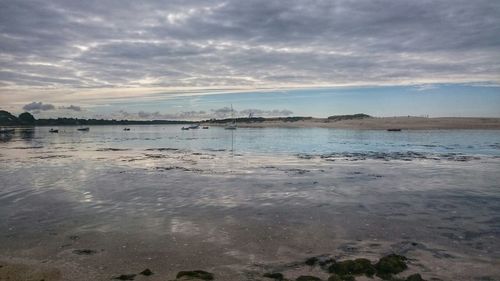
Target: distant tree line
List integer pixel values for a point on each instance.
(26, 119)
(256, 119)
(78, 121)
(7, 119)
(348, 117)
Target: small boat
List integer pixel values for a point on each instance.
(194, 126)
(53, 131)
(394, 130)
(205, 127)
(126, 129)
(7, 131)
(231, 126)
(84, 129)
(185, 128)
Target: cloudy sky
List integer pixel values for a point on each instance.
(192, 58)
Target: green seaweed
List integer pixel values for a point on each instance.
(390, 264)
(353, 267)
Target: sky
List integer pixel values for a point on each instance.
(192, 59)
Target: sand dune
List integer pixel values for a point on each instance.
(383, 123)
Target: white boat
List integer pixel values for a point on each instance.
(232, 125)
(194, 126)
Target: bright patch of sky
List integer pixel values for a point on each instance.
(436, 101)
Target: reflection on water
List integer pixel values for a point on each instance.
(27, 134)
(230, 201)
(269, 140)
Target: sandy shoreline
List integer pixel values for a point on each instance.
(383, 123)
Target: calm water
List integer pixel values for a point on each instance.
(268, 141)
(240, 203)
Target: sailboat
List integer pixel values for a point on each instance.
(232, 125)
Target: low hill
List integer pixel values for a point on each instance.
(7, 119)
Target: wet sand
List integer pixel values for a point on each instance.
(405, 123)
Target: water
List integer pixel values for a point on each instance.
(267, 141)
(240, 203)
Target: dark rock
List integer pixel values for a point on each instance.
(312, 261)
(307, 278)
(275, 276)
(125, 277)
(334, 277)
(74, 237)
(387, 276)
(146, 272)
(415, 277)
(355, 267)
(391, 264)
(84, 252)
(200, 274)
(325, 261)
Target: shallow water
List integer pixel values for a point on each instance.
(270, 141)
(239, 203)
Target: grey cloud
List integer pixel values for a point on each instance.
(93, 44)
(143, 115)
(224, 112)
(38, 106)
(72, 107)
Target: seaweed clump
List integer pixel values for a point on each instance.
(414, 277)
(353, 267)
(125, 277)
(195, 274)
(274, 275)
(389, 265)
(307, 278)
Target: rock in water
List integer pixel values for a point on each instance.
(275, 276)
(199, 274)
(146, 272)
(307, 278)
(391, 264)
(125, 277)
(415, 277)
(355, 267)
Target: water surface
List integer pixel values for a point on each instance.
(239, 203)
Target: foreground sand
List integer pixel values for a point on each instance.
(383, 123)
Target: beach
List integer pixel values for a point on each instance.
(383, 123)
(108, 204)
